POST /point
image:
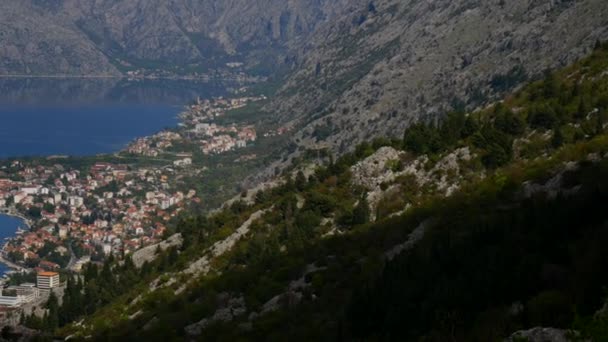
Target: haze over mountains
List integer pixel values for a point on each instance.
(107, 37)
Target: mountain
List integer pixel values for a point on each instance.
(375, 70)
(444, 179)
(109, 37)
(486, 226)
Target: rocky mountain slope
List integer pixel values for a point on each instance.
(107, 37)
(487, 226)
(375, 70)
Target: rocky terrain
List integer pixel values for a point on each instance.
(374, 71)
(104, 38)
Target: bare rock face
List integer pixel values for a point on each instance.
(230, 308)
(102, 37)
(35, 42)
(379, 169)
(149, 253)
(374, 71)
(539, 334)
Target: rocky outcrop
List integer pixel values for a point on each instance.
(201, 266)
(149, 253)
(230, 307)
(378, 171)
(292, 296)
(539, 334)
(416, 235)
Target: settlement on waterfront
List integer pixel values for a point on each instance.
(11, 224)
(83, 213)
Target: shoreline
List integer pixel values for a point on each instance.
(10, 212)
(113, 153)
(13, 213)
(133, 79)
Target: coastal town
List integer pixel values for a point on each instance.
(76, 215)
(112, 209)
(198, 128)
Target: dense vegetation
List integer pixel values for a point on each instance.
(493, 259)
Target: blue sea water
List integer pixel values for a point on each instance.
(40, 117)
(79, 129)
(8, 227)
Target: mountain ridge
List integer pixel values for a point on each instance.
(109, 37)
(414, 60)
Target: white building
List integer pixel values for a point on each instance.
(107, 249)
(165, 204)
(57, 198)
(10, 301)
(27, 292)
(183, 162)
(76, 201)
(47, 280)
(19, 197)
(31, 190)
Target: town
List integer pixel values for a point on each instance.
(197, 128)
(78, 215)
(112, 209)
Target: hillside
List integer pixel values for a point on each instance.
(47, 37)
(470, 229)
(376, 70)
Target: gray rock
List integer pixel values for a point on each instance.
(149, 253)
(413, 58)
(540, 334)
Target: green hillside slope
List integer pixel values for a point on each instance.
(465, 230)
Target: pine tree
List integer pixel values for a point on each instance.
(599, 123)
(361, 212)
(598, 45)
(558, 139)
(300, 181)
(470, 127)
(583, 109)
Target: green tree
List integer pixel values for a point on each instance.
(558, 138)
(51, 321)
(470, 127)
(361, 212)
(508, 122)
(583, 109)
(542, 116)
(300, 182)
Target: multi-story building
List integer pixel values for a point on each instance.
(47, 280)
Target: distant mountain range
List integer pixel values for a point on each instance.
(109, 37)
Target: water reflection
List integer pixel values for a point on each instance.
(55, 91)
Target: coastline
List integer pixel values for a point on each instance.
(201, 78)
(11, 212)
(29, 222)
